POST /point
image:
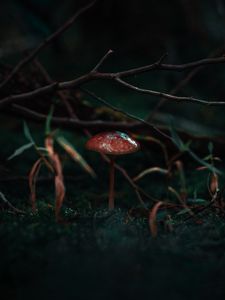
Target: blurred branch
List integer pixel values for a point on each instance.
(117, 77)
(74, 123)
(218, 52)
(46, 42)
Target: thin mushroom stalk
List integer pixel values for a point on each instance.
(111, 183)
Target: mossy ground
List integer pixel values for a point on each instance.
(102, 256)
(99, 254)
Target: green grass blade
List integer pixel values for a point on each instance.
(20, 150)
(75, 155)
(27, 133)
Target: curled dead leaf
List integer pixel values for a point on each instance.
(214, 183)
(32, 178)
(59, 180)
(152, 218)
(59, 187)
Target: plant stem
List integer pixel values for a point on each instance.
(111, 183)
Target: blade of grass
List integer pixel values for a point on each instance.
(20, 150)
(27, 133)
(75, 155)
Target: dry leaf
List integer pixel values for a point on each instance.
(214, 184)
(201, 168)
(59, 181)
(152, 218)
(32, 178)
(49, 146)
(59, 187)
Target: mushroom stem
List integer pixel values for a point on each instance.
(111, 183)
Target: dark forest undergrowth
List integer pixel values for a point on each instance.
(101, 254)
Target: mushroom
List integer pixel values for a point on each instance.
(112, 144)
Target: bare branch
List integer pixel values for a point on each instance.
(46, 42)
(29, 95)
(169, 96)
(218, 52)
(88, 77)
(169, 67)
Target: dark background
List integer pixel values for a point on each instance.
(139, 32)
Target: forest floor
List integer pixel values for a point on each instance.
(95, 253)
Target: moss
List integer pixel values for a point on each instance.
(97, 253)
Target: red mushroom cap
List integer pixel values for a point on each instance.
(114, 143)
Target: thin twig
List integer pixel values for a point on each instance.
(169, 96)
(162, 58)
(95, 69)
